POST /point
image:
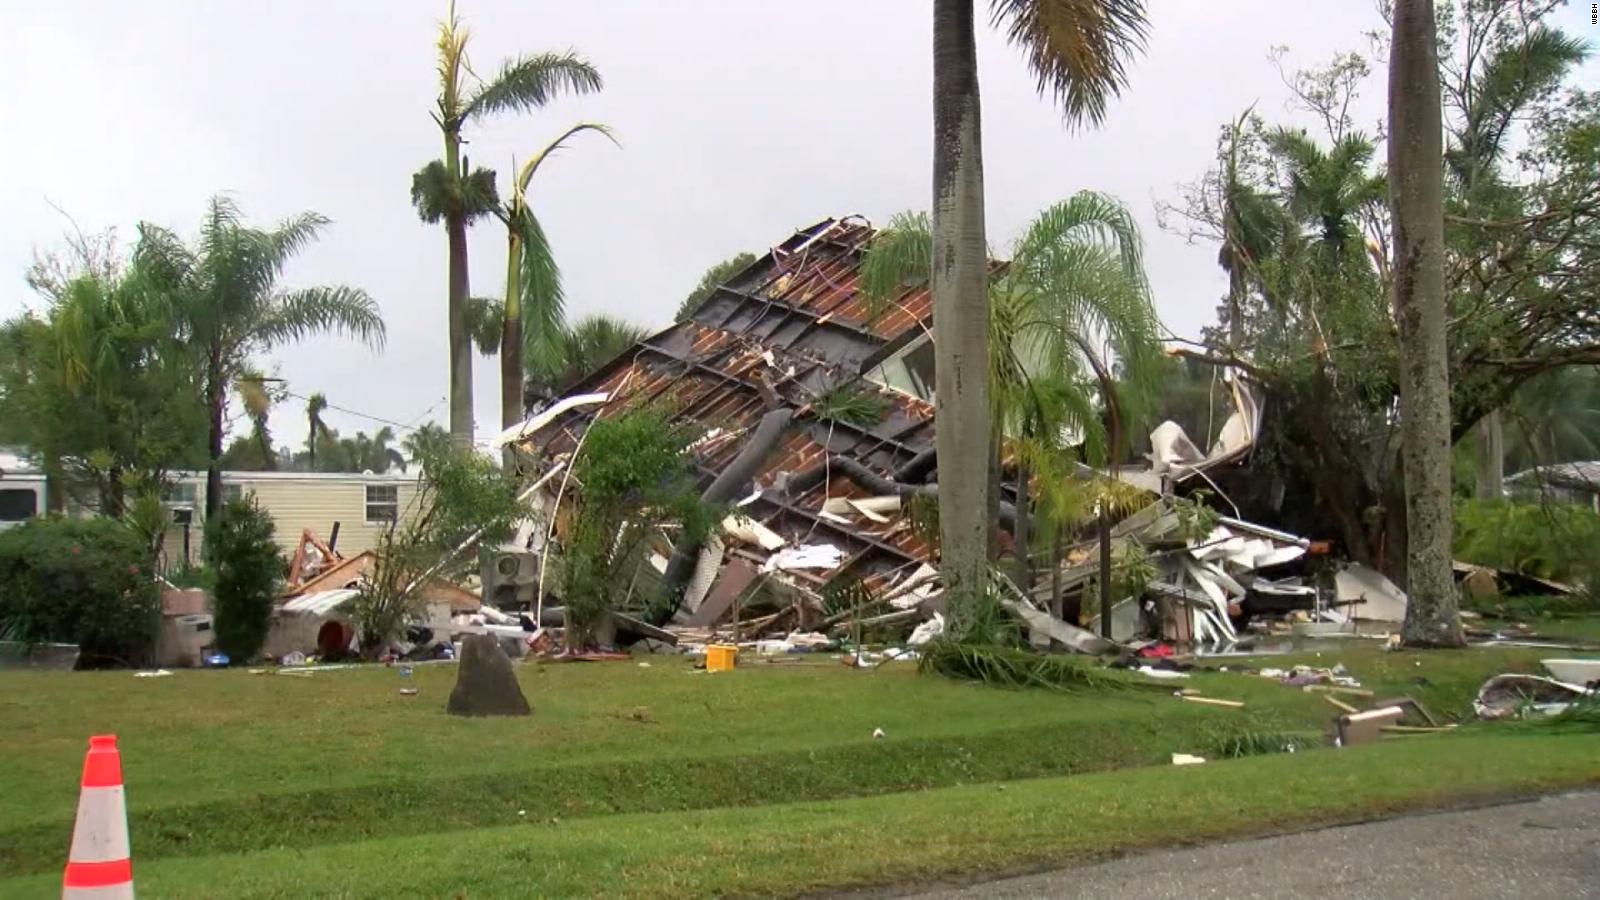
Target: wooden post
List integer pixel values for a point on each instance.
(1105, 572)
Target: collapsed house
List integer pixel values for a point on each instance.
(826, 525)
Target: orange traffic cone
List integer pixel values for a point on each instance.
(99, 866)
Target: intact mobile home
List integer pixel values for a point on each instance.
(363, 503)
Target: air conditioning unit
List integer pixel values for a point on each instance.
(182, 515)
(510, 579)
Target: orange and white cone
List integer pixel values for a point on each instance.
(99, 866)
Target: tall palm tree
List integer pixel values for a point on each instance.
(533, 320)
(316, 405)
(451, 191)
(1077, 50)
(1416, 178)
(226, 304)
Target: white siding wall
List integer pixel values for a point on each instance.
(299, 503)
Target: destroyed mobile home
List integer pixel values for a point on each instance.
(828, 529)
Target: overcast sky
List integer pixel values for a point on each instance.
(741, 120)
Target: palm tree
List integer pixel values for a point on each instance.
(428, 441)
(533, 288)
(588, 344)
(1416, 173)
(1329, 189)
(316, 405)
(372, 453)
(1076, 50)
(1074, 294)
(451, 191)
(226, 304)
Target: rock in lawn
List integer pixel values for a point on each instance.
(486, 685)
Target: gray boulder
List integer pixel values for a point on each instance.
(486, 684)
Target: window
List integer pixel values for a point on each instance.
(383, 503)
(232, 492)
(181, 494)
(909, 371)
(18, 504)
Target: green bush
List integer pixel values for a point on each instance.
(79, 581)
(1555, 541)
(247, 568)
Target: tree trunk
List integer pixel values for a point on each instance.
(512, 408)
(1416, 183)
(1105, 569)
(55, 484)
(216, 406)
(1021, 533)
(1490, 443)
(961, 309)
(1057, 550)
(460, 342)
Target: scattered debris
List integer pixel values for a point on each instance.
(1185, 759)
(156, 673)
(1363, 727)
(1525, 696)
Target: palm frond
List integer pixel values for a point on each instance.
(530, 82)
(901, 254)
(1087, 217)
(525, 175)
(543, 302)
(437, 195)
(162, 257)
(1514, 77)
(485, 322)
(1077, 49)
(299, 314)
(433, 192)
(596, 339)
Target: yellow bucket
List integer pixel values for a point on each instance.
(720, 657)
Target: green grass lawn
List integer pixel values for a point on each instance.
(220, 763)
(905, 837)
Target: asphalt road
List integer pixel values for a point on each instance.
(1547, 848)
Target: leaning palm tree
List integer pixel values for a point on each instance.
(533, 320)
(1076, 49)
(316, 427)
(226, 304)
(452, 192)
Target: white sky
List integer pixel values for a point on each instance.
(741, 120)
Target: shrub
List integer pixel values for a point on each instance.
(636, 476)
(1554, 541)
(460, 497)
(247, 568)
(79, 581)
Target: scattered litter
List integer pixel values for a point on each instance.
(158, 673)
(295, 658)
(217, 660)
(1153, 672)
(1212, 701)
(1364, 727)
(644, 665)
(877, 733)
(1185, 759)
(408, 692)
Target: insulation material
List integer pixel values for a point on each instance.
(749, 531)
(811, 556)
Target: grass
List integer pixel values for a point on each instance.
(221, 763)
(907, 837)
